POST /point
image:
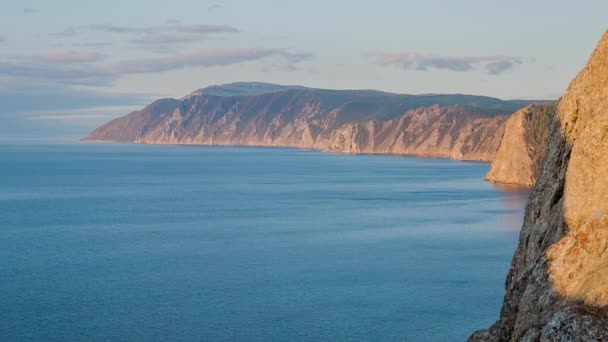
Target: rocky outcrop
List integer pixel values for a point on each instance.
(557, 286)
(519, 157)
(450, 126)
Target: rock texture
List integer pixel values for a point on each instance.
(519, 157)
(557, 287)
(438, 131)
(451, 126)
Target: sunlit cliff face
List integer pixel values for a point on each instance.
(578, 263)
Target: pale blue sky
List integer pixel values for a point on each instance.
(85, 61)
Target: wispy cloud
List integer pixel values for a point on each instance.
(203, 58)
(121, 29)
(183, 34)
(173, 26)
(1, 39)
(204, 29)
(164, 39)
(500, 66)
(494, 65)
(214, 7)
(155, 38)
(68, 32)
(297, 57)
(29, 10)
(58, 68)
(92, 44)
(68, 56)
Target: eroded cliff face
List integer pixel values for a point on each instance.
(518, 160)
(557, 287)
(437, 131)
(349, 122)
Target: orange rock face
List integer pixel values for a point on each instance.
(522, 147)
(557, 287)
(579, 262)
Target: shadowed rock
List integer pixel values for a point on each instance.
(557, 287)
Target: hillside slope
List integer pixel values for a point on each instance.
(352, 121)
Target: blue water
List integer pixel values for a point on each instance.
(148, 243)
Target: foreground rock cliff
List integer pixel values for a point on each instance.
(450, 126)
(557, 287)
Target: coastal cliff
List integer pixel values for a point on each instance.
(557, 286)
(450, 126)
(518, 160)
(452, 132)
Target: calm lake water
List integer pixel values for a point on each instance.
(188, 243)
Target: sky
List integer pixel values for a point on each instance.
(67, 66)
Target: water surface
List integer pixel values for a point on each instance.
(183, 243)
